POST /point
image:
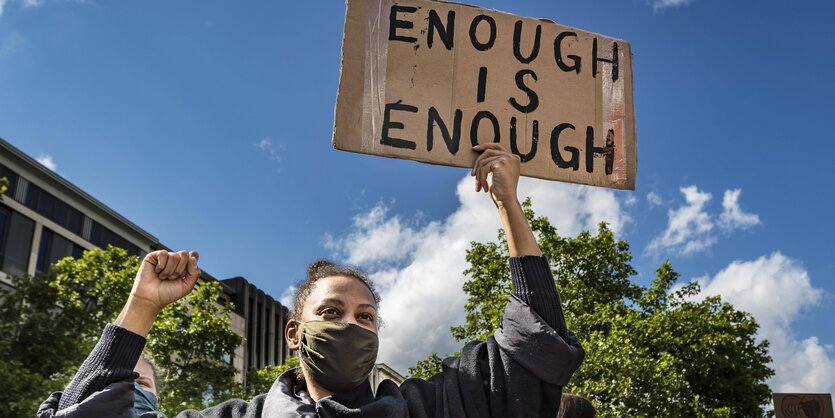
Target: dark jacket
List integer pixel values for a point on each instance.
(518, 372)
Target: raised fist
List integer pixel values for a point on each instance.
(165, 277)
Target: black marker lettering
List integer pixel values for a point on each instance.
(558, 54)
(447, 34)
(533, 99)
(514, 148)
(395, 23)
(517, 43)
(482, 84)
(574, 162)
(613, 61)
(388, 124)
(474, 29)
(477, 121)
(453, 141)
(608, 151)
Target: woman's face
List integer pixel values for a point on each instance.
(146, 376)
(337, 299)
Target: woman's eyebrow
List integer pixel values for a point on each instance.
(332, 301)
(367, 305)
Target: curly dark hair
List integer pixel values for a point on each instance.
(320, 269)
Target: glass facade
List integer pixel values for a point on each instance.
(54, 247)
(11, 176)
(100, 236)
(17, 230)
(54, 209)
(16, 233)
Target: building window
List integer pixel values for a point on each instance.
(54, 209)
(259, 334)
(54, 247)
(100, 236)
(16, 233)
(250, 337)
(11, 176)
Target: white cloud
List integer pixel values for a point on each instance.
(270, 149)
(777, 290)
(418, 266)
(691, 229)
(377, 239)
(287, 296)
(654, 199)
(47, 161)
(667, 4)
(732, 216)
(33, 3)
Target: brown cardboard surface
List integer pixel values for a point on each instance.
(803, 405)
(397, 91)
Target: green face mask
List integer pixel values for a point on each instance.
(337, 355)
(143, 400)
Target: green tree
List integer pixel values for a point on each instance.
(199, 334)
(427, 367)
(39, 349)
(650, 350)
(259, 381)
(4, 185)
(53, 321)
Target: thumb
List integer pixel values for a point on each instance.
(193, 272)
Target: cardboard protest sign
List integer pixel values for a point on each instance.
(426, 80)
(797, 405)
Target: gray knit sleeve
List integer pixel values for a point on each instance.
(533, 284)
(112, 360)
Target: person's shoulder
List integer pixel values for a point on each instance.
(233, 408)
(415, 384)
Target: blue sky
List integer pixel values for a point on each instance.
(209, 124)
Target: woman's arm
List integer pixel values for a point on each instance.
(163, 278)
(530, 272)
(504, 169)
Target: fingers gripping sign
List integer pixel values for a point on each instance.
(165, 277)
(496, 171)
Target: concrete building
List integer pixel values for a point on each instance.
(44, 217)
(267, 318)
(382, 372)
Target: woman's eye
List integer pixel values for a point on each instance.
(329, 312)
(367, 317)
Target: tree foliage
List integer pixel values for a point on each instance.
(39, 349)
(198, 332)
(652, 350)
(427, 367)
(51, 322)
(259, 381)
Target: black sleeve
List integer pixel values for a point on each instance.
(114, 401)
(112, 360)
(533, 284)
